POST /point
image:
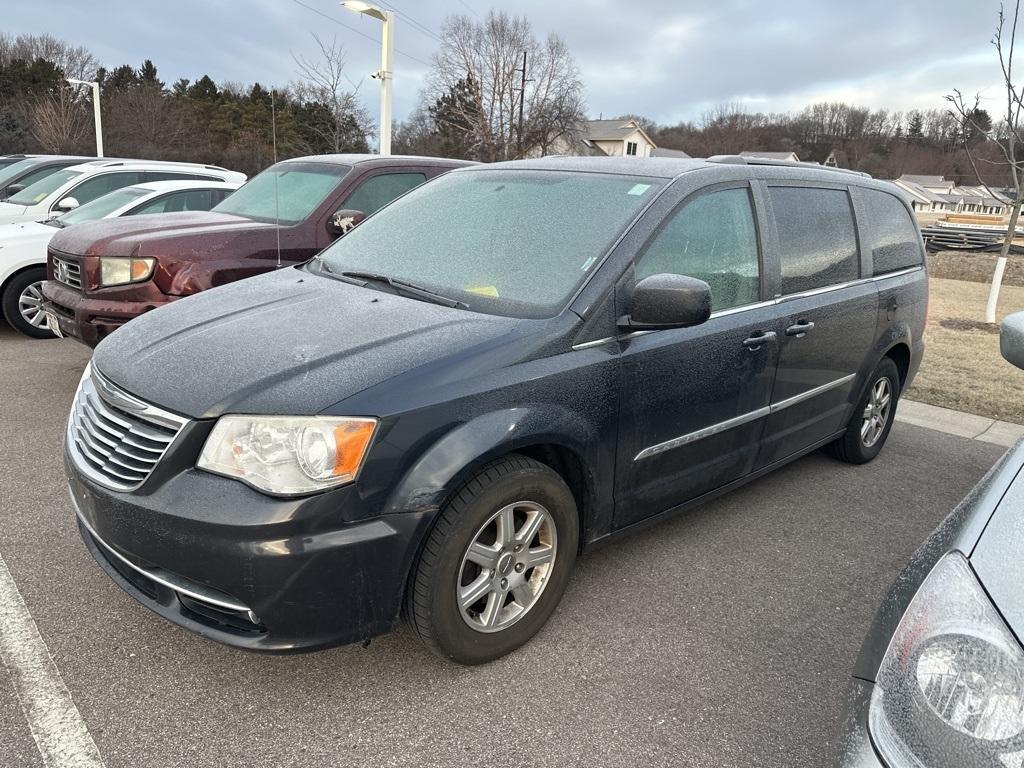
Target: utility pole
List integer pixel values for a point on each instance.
(522, 99)
(95, 111)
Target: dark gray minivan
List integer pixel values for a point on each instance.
(493, 373)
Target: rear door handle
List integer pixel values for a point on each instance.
(801, 329)
(758, 340)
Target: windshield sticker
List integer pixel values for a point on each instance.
(638, 189)
(484, 290)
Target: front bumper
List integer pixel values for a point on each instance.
(855, 748)
(91, 319)
(248, 570)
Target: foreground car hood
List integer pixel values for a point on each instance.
(26, 232)
(10, 213)
(135, 235)
(286, 342)
(998, 559)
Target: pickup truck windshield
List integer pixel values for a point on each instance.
(508, 242)
(42, 189)
(287, 192)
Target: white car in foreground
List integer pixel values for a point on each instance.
(23, 246)
(77, 185)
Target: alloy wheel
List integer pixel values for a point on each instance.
(876, 412)
(30, 305)
(507, 566)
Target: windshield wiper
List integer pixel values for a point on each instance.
(401, 286)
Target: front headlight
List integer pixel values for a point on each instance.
(118, 270)
(950, 690)
(288, 455)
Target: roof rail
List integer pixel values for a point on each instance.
(741, 160)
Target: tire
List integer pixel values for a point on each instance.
(20, 307)
(447, 575)
(856, 447)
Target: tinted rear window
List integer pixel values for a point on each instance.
(891, 232)
(817, 237)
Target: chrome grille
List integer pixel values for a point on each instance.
(115, 438)
(67, 272)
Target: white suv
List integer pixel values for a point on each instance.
(23, 245)
(79, 184)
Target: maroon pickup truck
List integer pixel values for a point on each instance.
(102, 274)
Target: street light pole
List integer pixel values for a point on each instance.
(95, 111)
(385, 74)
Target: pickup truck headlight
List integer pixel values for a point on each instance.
(288, 455)
(950, 690)
(119, 270)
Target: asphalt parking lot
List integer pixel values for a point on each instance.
(721, 638)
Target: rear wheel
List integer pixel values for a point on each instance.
(872, 418)
(497, 562)
(23, 303)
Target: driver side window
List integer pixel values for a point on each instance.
(712, 238)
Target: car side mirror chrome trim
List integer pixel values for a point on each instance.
(343, 221)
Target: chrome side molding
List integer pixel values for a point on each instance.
(745, 418)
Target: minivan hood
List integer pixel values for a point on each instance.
(998, 557)
(288, 342)
(142, 235)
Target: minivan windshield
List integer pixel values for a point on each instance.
(506, 242)
(101, 206)
(286, 193)
(42, 189)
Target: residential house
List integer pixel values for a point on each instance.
(611, 138)
(937, 194)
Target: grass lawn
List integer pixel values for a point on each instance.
(962, 367)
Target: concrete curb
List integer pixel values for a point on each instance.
(959, 423)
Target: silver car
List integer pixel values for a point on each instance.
(940, 678)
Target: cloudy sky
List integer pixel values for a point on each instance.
(667, 59)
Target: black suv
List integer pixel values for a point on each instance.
(505, 366)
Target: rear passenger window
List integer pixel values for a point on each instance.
(712, 238)
(101, 184)
(817, 239)
(891, 232)
(377, 191)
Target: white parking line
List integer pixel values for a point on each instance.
(56, 724)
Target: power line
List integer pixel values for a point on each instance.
(422, 28)
(469, 8)
(357, 31)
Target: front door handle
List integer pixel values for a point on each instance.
(758, 340)
(801, 329)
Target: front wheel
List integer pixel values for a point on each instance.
(23, 303)
(497, 562)
(872, 418)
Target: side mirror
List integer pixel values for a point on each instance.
(1011, 339)
(344, 220)
(668, 301)
(67, 204)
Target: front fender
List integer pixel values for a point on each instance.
(452, 458)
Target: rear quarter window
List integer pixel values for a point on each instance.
(817, 237)
(891, 232)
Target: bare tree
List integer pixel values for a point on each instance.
(1006, 136)
(489, 54)
(324, 81)
(74, 61)
(59, 121)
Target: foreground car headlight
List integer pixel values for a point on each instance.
(118, 270)
(288, 455)
(950, 690)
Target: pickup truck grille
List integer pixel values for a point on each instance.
(113, 437)
(67, 272)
